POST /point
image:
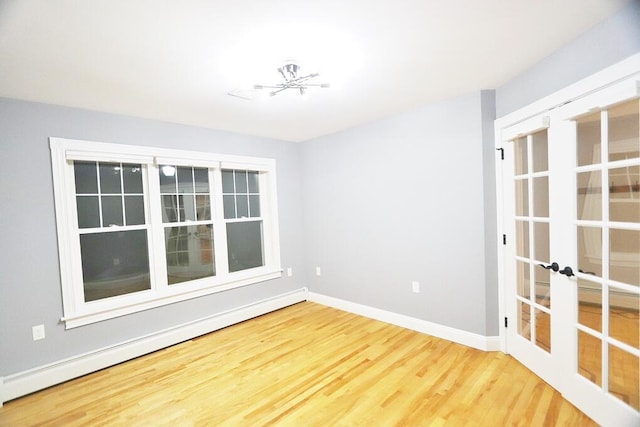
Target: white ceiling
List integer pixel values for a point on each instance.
(177, 60)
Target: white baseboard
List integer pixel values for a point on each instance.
(459, 336)
(23, 383)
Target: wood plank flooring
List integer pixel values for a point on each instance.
(305, 365)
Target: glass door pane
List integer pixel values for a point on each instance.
(532, 238)
(608, 243)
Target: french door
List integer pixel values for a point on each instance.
(571, 253)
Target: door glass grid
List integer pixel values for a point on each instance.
(532, 238)
(608, 240)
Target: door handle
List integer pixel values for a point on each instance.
(554, 266)
(567, 271)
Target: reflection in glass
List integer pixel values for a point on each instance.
(624, 194)
(543, 286)
(524, 320)
(201, 180)
(244, 245)
(541, 197)
(624, 378)
(540, 150)
(624, 131)
(543, 330)
(590, 250)
(624, 319)
(541, 233)
(524, 288)
(590, 304)
(590, 357)
(185, 179)
(169, 208)
(522, 197)
(522, 238)
(167, 179)
(203, 207)
(521, 155)
(114, 263)
(588, 139)
(189, 251)
(589, 194)
(624, 256)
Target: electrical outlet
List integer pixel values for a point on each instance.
(415, 286)
(38, 332)
(289, 271)
(318, 272)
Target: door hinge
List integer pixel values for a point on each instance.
(501, 150)
(504, 239)
(506, 322)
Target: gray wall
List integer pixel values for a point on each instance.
(30, 278)
(398, 200)
(605, 44)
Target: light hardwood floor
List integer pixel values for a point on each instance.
(305, 365)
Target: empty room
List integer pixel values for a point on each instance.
(304, 213)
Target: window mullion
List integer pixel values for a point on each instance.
(154, 217)
(219, 225)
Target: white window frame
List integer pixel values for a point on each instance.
(77, 312)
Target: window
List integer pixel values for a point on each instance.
(140, 227)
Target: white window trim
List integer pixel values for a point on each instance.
(76, 311)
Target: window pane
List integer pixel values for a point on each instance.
(169, 208)
(624, 194)
(227, 182)
(167, 179)
(132, 177)
(541, 235)
(244, 245)
(624, 131)
(114, 263)
(524, 284)
(522, 238)
(203, 207)
(624, 256)
(590, 357)
(540, 151)
(134, 209)
(110, 178)
(242, 204)
(543, 330)
(111, 211)
(201, 177)
(241, 181)
(521, 155)
(524, 320)
(541, 196)
(588, 130)
(624, 376)
(229, 206)
(522, 197)
(590, 304)
(188, 208)
(86, 176)
(185, 180)
(590, 250)
(189, 253)
(254, 206)
(624, 316)
(589, 196)
(254, 182)
(88, 211)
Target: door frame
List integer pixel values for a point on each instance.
(605, 80)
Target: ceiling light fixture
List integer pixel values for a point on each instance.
(292, 80)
